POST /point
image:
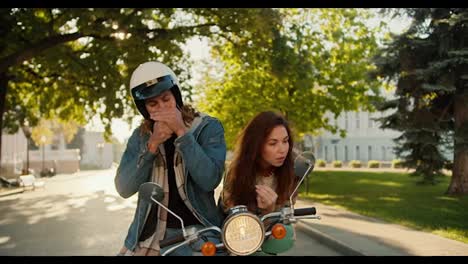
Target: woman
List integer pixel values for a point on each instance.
(261, 175)
(180, 149)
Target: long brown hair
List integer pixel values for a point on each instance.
(188, 114)
(241, 177)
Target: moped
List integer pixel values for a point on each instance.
(242, 232)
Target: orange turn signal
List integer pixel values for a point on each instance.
(208, 249)
(278, 231)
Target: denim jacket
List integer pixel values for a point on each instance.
(203, 151)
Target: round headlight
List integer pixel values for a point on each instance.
(243, 233)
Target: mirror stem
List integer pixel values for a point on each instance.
(299, 184)
(176, 216)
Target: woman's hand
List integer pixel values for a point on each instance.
(161, 132)
(173, 118)
(266, 198)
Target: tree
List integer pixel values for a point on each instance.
(429, 63)
(312, 63)
(52, 130)
(74, 63)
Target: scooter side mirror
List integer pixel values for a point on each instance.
(151, 189)
(303, 165)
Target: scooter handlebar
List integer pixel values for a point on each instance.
(171, 241)
(305, 211)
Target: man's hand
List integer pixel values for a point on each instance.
(173, 119)
(161, 132)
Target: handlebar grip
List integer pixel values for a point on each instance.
(305, 211)
(171, 241)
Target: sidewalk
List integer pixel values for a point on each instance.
(356, 235)
(10, 191)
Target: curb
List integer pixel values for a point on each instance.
(328, 240)
(10, 192)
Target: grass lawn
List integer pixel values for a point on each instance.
(394, 197)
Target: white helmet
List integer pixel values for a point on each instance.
(150, 79)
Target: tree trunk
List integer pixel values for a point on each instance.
(459, 182)
(3, 91)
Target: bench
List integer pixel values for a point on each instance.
(29, 182)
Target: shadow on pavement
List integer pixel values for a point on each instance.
(66, 225)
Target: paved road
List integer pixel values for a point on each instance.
(81, 214)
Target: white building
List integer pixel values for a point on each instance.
(55, 155)
(364, 140)
(96, 152)
(13, 153)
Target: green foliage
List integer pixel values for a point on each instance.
(321, 163)
(355, 164)
(307, 63)
(397, 164)
(429, 64)
(48, 131)
(373, 164)
(74, 64)
(337, 164)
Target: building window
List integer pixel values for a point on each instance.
(336, 152)
(358, 155)
(369, 153)
(326, 153)
(357, 120)
(370, 122)
(345, 153)
(384, 156)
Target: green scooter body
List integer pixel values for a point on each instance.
(273, 246)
